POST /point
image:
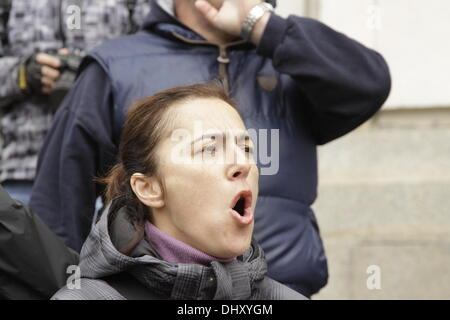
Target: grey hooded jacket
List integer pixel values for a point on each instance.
(243, 278)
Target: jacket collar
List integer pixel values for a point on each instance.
(167, 5)
(100, 258)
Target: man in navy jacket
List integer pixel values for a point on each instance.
(295, 75)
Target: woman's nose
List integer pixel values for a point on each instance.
(238, 171)
(239, 167)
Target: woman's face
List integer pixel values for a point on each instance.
(209, 178)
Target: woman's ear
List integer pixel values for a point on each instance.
(148, 190)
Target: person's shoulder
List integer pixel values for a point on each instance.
(88, 289)
(270, 289)
(111, 46)
(129, 45)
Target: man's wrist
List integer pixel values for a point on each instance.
(21, 79)
(259, 28)
(253, 25)
(272, 36)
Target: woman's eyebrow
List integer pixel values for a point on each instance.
(242, 136)
(207, 136)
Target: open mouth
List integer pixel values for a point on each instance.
(241, 207)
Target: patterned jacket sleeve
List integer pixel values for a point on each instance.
(9, 70)
(9, 66)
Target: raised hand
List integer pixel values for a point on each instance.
(229, 16)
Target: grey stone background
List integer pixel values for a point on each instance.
(384, 190)
(384, 199)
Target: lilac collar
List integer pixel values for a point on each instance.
(176, 251)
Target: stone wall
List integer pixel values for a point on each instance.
(384, 193)
(384, 201)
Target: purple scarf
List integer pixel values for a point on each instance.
(176, 251)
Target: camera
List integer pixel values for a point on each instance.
(69, 67)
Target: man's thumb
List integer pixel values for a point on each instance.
(207, 10)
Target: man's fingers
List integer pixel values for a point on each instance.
(227, 18)
(48, 60)
(207, 10)
(47, 89)
(48, 79)
(50, 72)
(48, 82)
(63, 51)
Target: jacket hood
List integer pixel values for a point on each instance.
(100, 257)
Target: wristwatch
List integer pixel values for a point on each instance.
(252, 18)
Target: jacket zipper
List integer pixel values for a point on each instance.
(224, 60)
(223, 57)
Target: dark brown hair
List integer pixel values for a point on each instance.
(147, 121)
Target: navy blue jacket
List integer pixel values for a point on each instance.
(305, 79)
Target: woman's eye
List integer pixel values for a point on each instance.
(209, 149)
(248, 149)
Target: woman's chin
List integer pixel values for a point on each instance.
(235, 249)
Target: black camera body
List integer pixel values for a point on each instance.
(69, 68)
